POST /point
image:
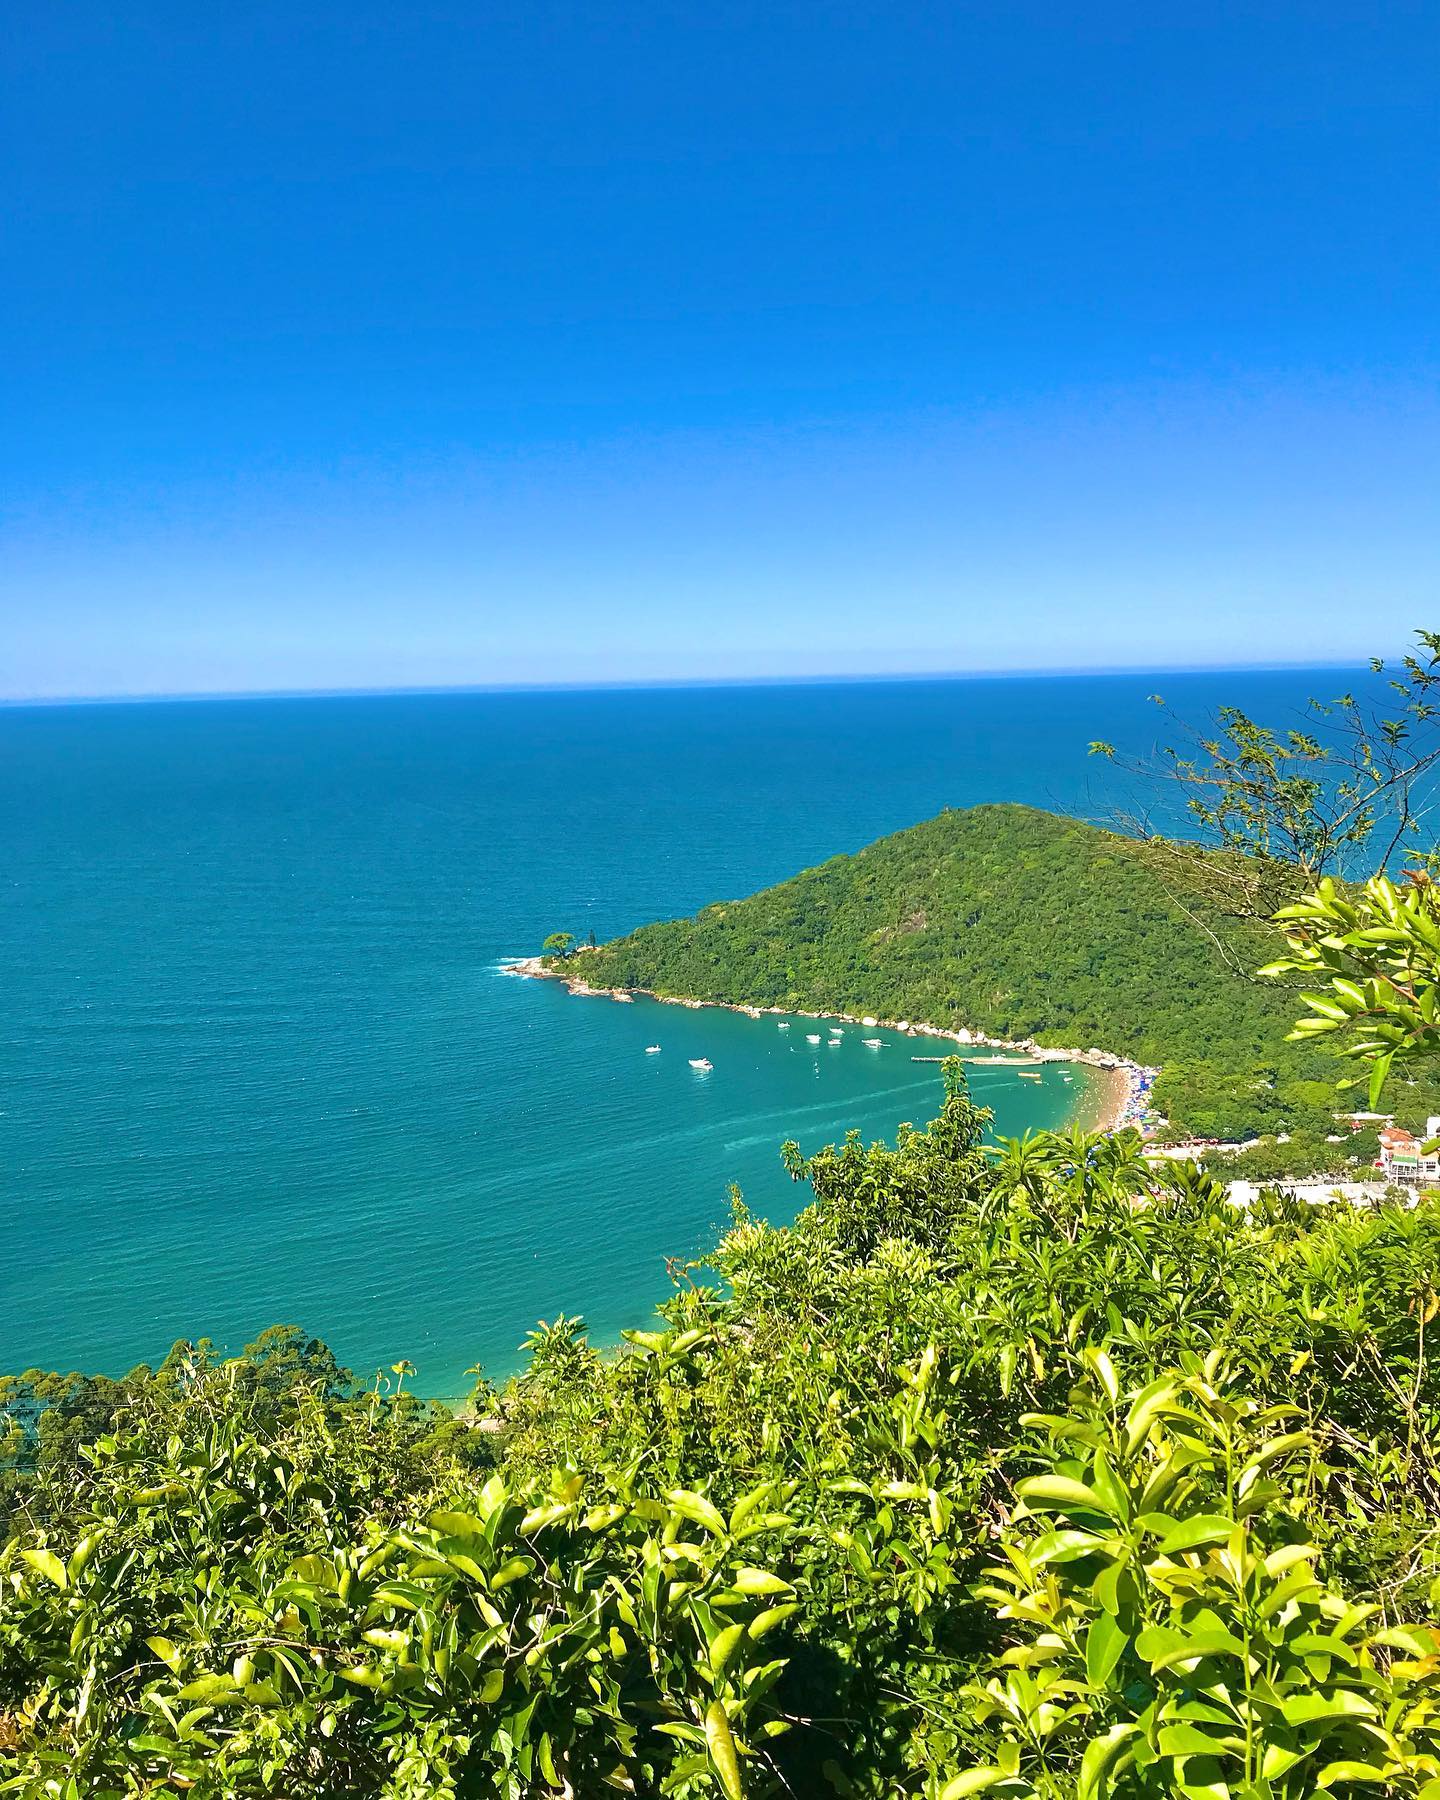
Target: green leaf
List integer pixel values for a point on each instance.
(1145, 1409)
(1062, 1547)
(166, 1651)
(652, 1341)
(767, 1621)
(1349, 1770)
(1277, 1760)
(364, 1676)
(81, 1555)
(316, 1570)
(1104, 1371)
(1052, 1493)
(48, 1564)
(972, 1781)
(1183, 1739)
(1101, 1756)
(540, 1516)
(1287, 1555)
(723, 1647)
(759, 1582)
(1326, 1006)
(1419, 1640)
(212, 1688)
(1276, 1448)
(697, 1507)
(1197, 1644)
(1340, 1703)
(1104, 1646)
(457, 1525)
(747, 1504)
(723, 1756)
(513, 1570)
(1190, 1534)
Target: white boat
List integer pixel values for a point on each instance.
(871, 1043)
(784, 1025)
(834, 1043)
(701, 1062)
(652, 1049)
(813, 1040)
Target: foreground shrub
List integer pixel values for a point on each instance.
(747, 1553)
(1174, 1633)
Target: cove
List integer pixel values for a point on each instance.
(256, 1061)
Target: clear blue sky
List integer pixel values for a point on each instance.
(367, 345)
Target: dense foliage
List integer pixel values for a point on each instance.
(1023, 924)
(1376, 950)
(756, 1550)
(1345, 784)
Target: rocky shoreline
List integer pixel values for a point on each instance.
(1128, 1084)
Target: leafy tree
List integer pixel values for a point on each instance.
(1377, 952)
(559, 943)
(284, 1359)
(1305, 801)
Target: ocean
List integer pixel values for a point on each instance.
(259, 1062)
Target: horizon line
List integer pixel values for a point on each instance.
(198, 696)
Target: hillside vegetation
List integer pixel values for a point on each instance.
(1046, 1474)
(1023, 924)
(1026, 1470)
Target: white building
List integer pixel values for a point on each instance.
(1405, 1158)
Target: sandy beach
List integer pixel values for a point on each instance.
(1117, 1097)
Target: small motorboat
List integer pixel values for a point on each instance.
(813, 1040)
(835, 1043)
(652, 1049)
(701, 1062)
(872, 1043)
(784, 1025)
(1028, 1074)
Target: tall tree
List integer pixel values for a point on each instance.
(1306, 800)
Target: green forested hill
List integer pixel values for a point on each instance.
(966, 1482)
(1022, 924)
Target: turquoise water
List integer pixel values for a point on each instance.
(257, 1062)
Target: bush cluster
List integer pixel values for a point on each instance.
(1035, 1470)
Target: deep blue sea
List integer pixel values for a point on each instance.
(256, 1059)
